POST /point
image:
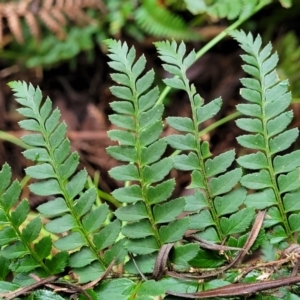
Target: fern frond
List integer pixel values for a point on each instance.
(214, 199)
(71, 212)
(277, 176)
(53, 14)
(151, 220)
(16, 239)
(157, 20)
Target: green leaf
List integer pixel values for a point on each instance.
(283, 140)
(250, 125)
(34, 140)
(43, 171)
(294, 222)
(125, 122)
(209, 234)
(174, 82)
(69, 167)
(11, 195)
(19, 215)
(186, 162)
(53, 207)
(15, 250)
(142, 246)
(31, 125)
(183, 253)
(90, 272)
(118, 288)
(46, 294)
(5, 176)
(252, 141)
(58, 135)
(157, 171)
(76, 184)
(122, 107)
(282, 103)
(117, 252)
(61, 224)
(151, 116)
(272, 218)
(25, 264)
(160, 192)
(201, 220)
(291, 201)
(70, 242)
(7, 235)
(261, 200)
(122, 92)
(209, 110)
(4, 270)
(230, 202)
(138, 229)
(45, 188)
(128, 194)
(257, 180)
(122, 153)
(287, 163)
(280, 123)
(289, 182)
(125, 173)
(58, 262)
(43, 247)
(195, 202)
(197, 180)
(132, 212)
(85, 202)
(145, 82)
(108, 235)
(219, 164)
(205, 150)
(82, 258)
(95, 218)
(173, 231)
(207, 259)
(153, 152)
(226, 182)
(37, 155)
(147, 100)
(32, 230)
(251, 110)
(237, 222)
(167, 212)
(6, 287)
(181, 124)
(52, 121)
(151, 288)
(250, 95)
(123, 137)
(182, 142)
(253, 161)
(151, 134)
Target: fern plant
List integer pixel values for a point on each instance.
(277, 176)
(144, 249)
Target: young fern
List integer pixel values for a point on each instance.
(214, 198)
(16, 238)
(277, 176)
(71, 212)
(145, 208)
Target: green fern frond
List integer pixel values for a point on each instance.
(277, 176)
(214, 199)
(159, 21)
(151, 221)
(16, 239)
(71, 212)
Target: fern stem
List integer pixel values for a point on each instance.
(201, 160)
(66, 197)
(211, 44)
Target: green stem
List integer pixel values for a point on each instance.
(12, 139)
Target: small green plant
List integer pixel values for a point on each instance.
(151, 246)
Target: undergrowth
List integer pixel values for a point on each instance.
(152, 246)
